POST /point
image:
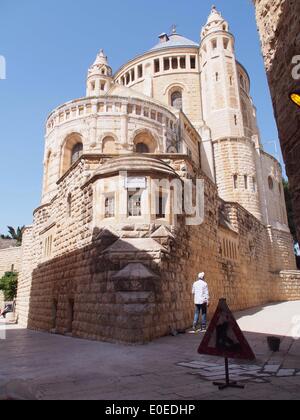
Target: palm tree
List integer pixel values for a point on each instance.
(16, 234)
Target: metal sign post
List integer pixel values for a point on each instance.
(227, 384)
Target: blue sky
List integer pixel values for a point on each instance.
(49, 45)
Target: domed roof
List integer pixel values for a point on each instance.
(174, 41)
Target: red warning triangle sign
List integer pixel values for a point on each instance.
(224, 337)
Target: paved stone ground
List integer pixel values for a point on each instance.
(48, 367)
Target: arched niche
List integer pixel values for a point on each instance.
(109, 145)
(144, 142)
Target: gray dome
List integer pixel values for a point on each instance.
(175, 41)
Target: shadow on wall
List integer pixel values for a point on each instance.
(111, 290)
(282, 83)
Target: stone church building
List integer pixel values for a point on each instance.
(107, 256)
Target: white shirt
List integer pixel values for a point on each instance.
(200, 292)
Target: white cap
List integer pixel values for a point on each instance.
(201, 276)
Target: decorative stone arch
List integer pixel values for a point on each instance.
(173, 86)
(108, 143)
(72, 149)
(145, 142)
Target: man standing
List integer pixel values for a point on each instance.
(201, 296)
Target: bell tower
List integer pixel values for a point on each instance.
(234, 150)
(221, 102)
(99, 78)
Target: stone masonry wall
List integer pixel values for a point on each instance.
(25, 278)
(88, 289)
(10, 258)
(287, 286)
(278, 22)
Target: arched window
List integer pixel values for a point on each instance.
(76, 152)
(142, 148)
(71, 152)
(176, 99)
(69, 205)
(145, 143)
(271, 183)
(235, 182)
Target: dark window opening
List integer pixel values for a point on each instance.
(235, 182)
(76, 152)
(226, 43)
(174, 63)
(156, 66)
(140, 71)
(69, 203)
(161, 205)
(166, 64)
(142, 148)
(176, 100)
(193, 62)
(110, 207)
(271, 183)
(182, 62)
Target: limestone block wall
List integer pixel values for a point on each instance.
(274, 199)
(132, 283)
(287, 286)
(281, 250)
(10, 260)
(25, 278)
(236, 157)
(94, 120)
(159, 84)
(246, 277)
(278, 22)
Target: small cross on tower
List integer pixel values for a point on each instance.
(174, 29)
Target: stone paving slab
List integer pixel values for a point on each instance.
(48, 367)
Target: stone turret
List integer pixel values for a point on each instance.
(226, 107)
(99, 78)
(215, 23)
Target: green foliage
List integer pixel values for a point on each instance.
(16, 234)
(9, 285)
(5, 237)
(290, 211)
